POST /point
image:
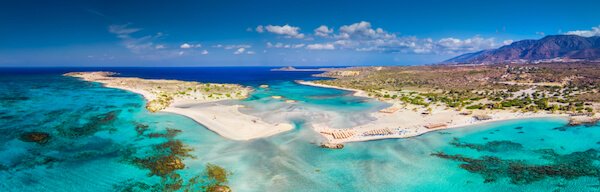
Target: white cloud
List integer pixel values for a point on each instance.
(323, 31)
(185, 46)
(240, 51)
(122, 31)
(134, 44)
(321, 46)
(586, 33)
(362, 36)
(204, 52)
(298, 45)
(250, 52)
(507, 42)
(260, 29)
(363, 30)
(285, 30)
(454, 45)
(160, 47)
(281, 45)
(233, 46)
(540, 33)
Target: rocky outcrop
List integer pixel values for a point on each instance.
(582, 120)
(332, 145)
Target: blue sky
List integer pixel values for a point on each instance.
(274, 33)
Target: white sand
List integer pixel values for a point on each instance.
(228, 121)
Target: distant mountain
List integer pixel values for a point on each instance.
(553, 48)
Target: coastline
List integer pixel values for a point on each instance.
(225, 120)
(355, 92)
(405, 123)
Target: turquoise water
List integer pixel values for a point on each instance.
(93, 140)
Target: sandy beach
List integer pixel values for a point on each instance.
(208, 110)
(402, 122)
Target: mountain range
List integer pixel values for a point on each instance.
(552, 48)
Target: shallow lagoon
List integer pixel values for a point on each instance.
(88, 151)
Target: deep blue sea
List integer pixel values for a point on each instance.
(95, 136)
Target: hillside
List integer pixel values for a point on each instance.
(553, 48)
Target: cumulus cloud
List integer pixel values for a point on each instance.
(362, 36)
(240, 51)
(188, 46)
(204, 52)
(185, 46)
(595, 31)
(454, 45)
(285, 30)
(321, 46)
(323, 31)
(363, 30)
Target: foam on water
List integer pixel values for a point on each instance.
(95, 158)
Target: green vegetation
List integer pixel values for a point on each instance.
(566, 88)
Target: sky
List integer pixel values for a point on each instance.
(275, 33)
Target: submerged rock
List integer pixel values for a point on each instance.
(332, 145)
(37, 137)
(218, 188)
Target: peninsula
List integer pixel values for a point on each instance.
(202, 102)
(428, 98)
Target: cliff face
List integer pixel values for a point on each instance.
(559, 47)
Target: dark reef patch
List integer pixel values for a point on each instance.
(94, 124)
(213, 179)
(164, 160)
(492, 146)
(569, 166)
(141, 128)
(37, 137)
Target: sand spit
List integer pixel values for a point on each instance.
(198, 101)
